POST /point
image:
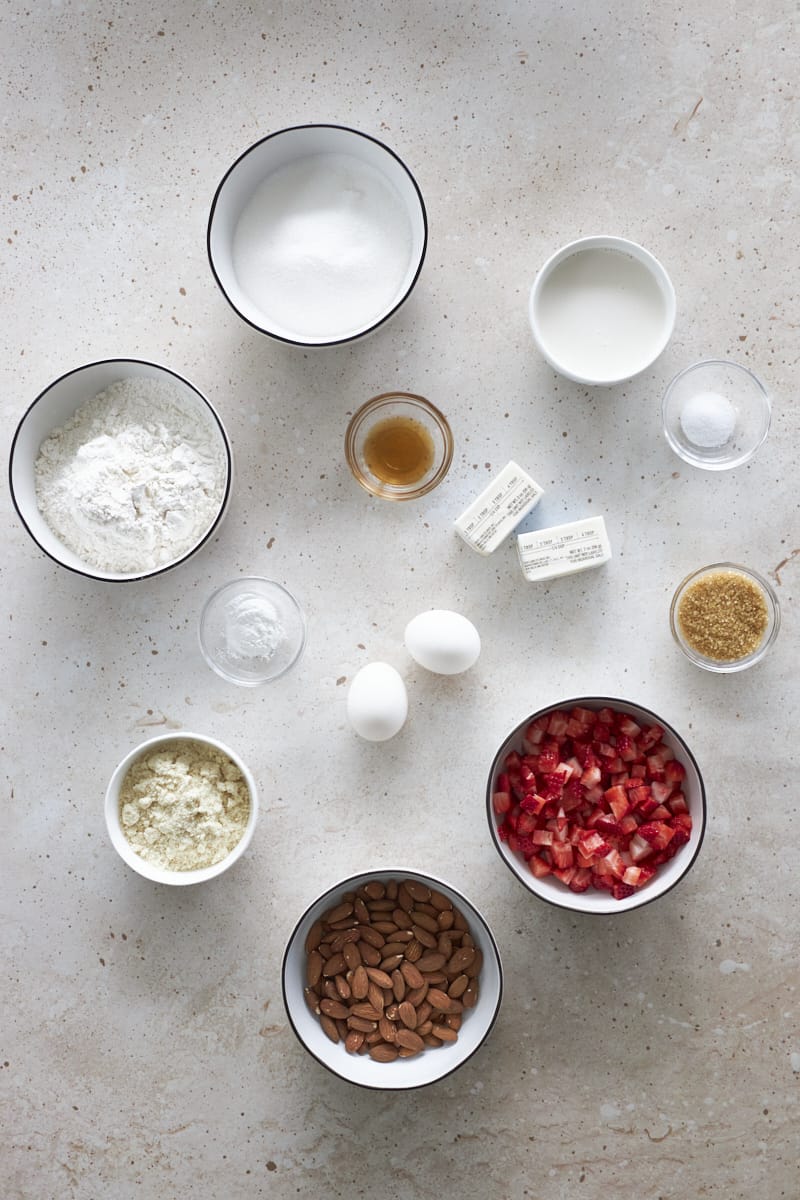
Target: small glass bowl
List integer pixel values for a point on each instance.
(252, 631)
(750, 401)
(726, 666)
(399, 404)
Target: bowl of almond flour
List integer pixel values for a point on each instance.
(181, 808)
(121, 469)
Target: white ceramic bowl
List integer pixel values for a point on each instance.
(433, 1063)
(284, 149)
(593, 901)
(123, 846)
(602, 309)
(55, 406)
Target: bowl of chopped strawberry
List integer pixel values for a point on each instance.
(596, 804)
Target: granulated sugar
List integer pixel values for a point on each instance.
(184, 806)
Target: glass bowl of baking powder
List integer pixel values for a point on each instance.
(252, 631)
(181, 808)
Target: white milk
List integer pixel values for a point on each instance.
(601, 315)
(323, 247)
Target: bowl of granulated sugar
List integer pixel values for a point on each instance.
(181, 808)
(121, 469)
(317, 234)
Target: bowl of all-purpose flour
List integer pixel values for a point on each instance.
(121, 469)
(317, 234)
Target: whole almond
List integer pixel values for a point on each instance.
(424, 936)
(403, 1052)
(375, 997)
(413, 950)
(352, 955)
(342, 987)
(371, 935)
(362, 1025)
(367, 1011)
(360, 911)
(410, 974)
(374, 890)
(387, 928)
(337, 914)
(424, 1010)
(314, 937)
(330, 990)
(408, 1039)
(408, 1014)
(470, 997)
(373, 1038)
(380, 906)
(398, 985)
(394, 960)
(460, 961)
(391, 948)
(420, 917)
(383, 1052)
(391, 889)
(424, 1028)
(354, 1041)
(444, 944)
(359, 984)
(335, 965)
(369, 954)
(439, 999)
(445, 1033)
(453, 1021)
(430, 962)
(314, 968)
(312, 999)
(417, 890)
(401, 918)
(388, 1029)
(435, 978)
(460, 921)
(417, 995)
(440, 901)
(329, 1027)
(404, 899)
(380, 977)
(445, 920)
(474, 968)
(458, 986)
(334, 1008)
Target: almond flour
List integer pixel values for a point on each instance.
(184, 806)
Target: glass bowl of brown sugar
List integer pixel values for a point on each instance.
(724, 617)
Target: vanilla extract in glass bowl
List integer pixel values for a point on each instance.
(399, 446)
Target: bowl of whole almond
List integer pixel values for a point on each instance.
(392, 979)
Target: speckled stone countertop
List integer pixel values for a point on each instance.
(144, 1049)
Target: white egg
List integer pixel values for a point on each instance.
(377, 703)
(443, 641)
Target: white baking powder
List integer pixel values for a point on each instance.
(708, 420)
(184, 806)
(253, 630)
(134, 479)
(323, 247)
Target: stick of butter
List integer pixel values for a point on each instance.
(563, 549)
(499, 509)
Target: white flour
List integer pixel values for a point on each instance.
(323, 246)
(133, 479)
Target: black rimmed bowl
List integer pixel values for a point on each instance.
(548, 723)
(433, 1063)
(56, 405)
(266, 234)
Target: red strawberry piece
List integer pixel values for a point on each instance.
(539, 867)
(542, 837)
(580, 880)
(526, 823)
(548, 756)
(557, 724)
(533, 737)
(502, 832)
(677, 804)
(562, 855)
(525, 846)
(584, 715)
(627, 727)
(650, 737)
(604, 883)
(607, 825)
(656, 833)
(501, 802)
(661, 791)
(601, 731)
(512, 762)
(628, 824)
(639, 770)
(621, 891)
(565, 874)
(592, 777)
(616, 863)
(592, 844)
(617, 800)
(503, 782)
(639, 848)
(607, 716)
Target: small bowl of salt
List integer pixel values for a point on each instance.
(252, 631)
(716, 414)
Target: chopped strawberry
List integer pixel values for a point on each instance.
(617, 800)
(677, 804)
(501, 802)
(539, 867)
(562, 854)
(526, 823)
(621, 891)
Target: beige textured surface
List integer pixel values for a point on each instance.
(144, 1051)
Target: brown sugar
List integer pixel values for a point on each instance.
(723, 616)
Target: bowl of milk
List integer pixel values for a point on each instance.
(317, 234)
(602, 309)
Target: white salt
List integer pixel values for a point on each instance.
(323, 247)
(708, 420)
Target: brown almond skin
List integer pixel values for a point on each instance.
(430, 962)
(470, 997)
(460, 961)
(312, 1000)
(413, 950)
(392, 948)
(404, 899)
(408, 1014)
(373, 1038)
(417, 890)
(342, 987)
(417, 995)
(460, 921)
(434, 978)
(333, 1008)
(371, 935)
(453, 1021)
(374, 890)
(391, 889)
(445, 920)
(424, 1010)
(329, 989)
(335, 965)
(392, 1012)
(389, 964)
(369, 954)
(360, 911)
(329, 1027)
(474, 968)
(440, 901)
(337, 914)
(424, 937)
(375, 997)
(314, 937)
(380, 977)
(367, 1011)
(388, 1030)
(401, 918)
(362, 1025)
(439, 999)
(354, 1041)
(424, 1028)
(380, 906)
(458, 986)
(445, 1033)
(409, 1040)
(411, 975)
(385, 927)
(420, 917)
(405, 1053)
(430, 1040)
(352, 955)
(383, 1052)
(314, 968)
(359, 984)
(398, 985)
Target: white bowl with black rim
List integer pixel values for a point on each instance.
(553, 889)
(317, 234)
(432, 1063)
(56, 405)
